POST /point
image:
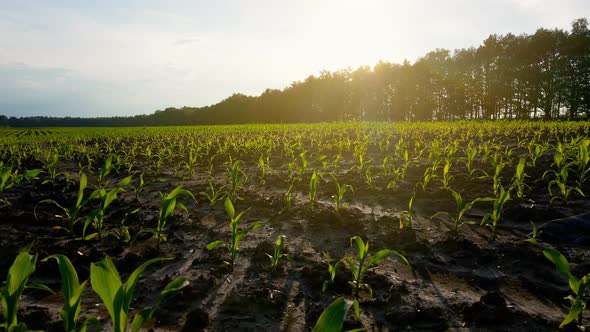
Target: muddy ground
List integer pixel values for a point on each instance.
(468, 281)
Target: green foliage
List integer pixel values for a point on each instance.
(11, 290)
(332, 318)
(16, 281)
(360, 263)
(578, 299)
(237, 232)
(117, 295)
(338, 197)
(105, 198)
(407, 216)
(331, 270)
(72, 213)
(215, 194)
(461, 208)
(104, 172)
(446, 175)
(314, 185)
(72, 294)
(7, 177)
(278, 252)
(493, 218)
(519, 178)
(169, 205)
(237, 178)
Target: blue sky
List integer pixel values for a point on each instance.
(127, 57)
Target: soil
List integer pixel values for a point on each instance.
(464, 281)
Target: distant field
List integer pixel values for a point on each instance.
(456, 199)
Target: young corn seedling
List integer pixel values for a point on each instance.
(362, 163)
(72, 213)
(360, 263)
(169, 205)
(191, 163)
(532, 239)
(237, 233)
(264, 165)
(96, 217)
(470, 155)
(237, 178)
(33, 174)
(16, 282)
(446, 175)
(104, 172)
(332, 318)
(583, 162)
(493, 219)
(340, 191)
(123, 234)
(331, 270)
(117, 296)
(396, 172)
(303, 165)
(369, 179)
(215, 194)
(7, 177)
(579, 287)
(289, 197)
(497, 179)
(536, 151)
(519, 176)
(139, 188)
(461, 209)
(278, 252)
(425, 179)
(564, 189)
(72, 295)
(314, 185)
(50, 165)
(407, 216)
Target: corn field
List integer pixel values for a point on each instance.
(476, 225)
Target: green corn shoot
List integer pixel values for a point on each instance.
(461, 208)
(169, 205)
(11, 291)
(331, 270)
(407, 216)
(565, 190)
(519, 177)
(72, 294)
(278, 252)
(72, 213)
(139, 188)
(369, 177)
(577, 286)
(446, 176)
(16, 281)
(314, 184)
(104, 172)
(215, 194)
(289, 197)
(332, 318)
(237, 233)
(7, 177)
(493, 219)
(117, 295)
(338, 197)
(96, 217)
(360, 263)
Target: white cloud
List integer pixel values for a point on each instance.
(129, 57)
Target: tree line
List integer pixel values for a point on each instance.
(545, 75)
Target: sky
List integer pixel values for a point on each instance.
(127, 57)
